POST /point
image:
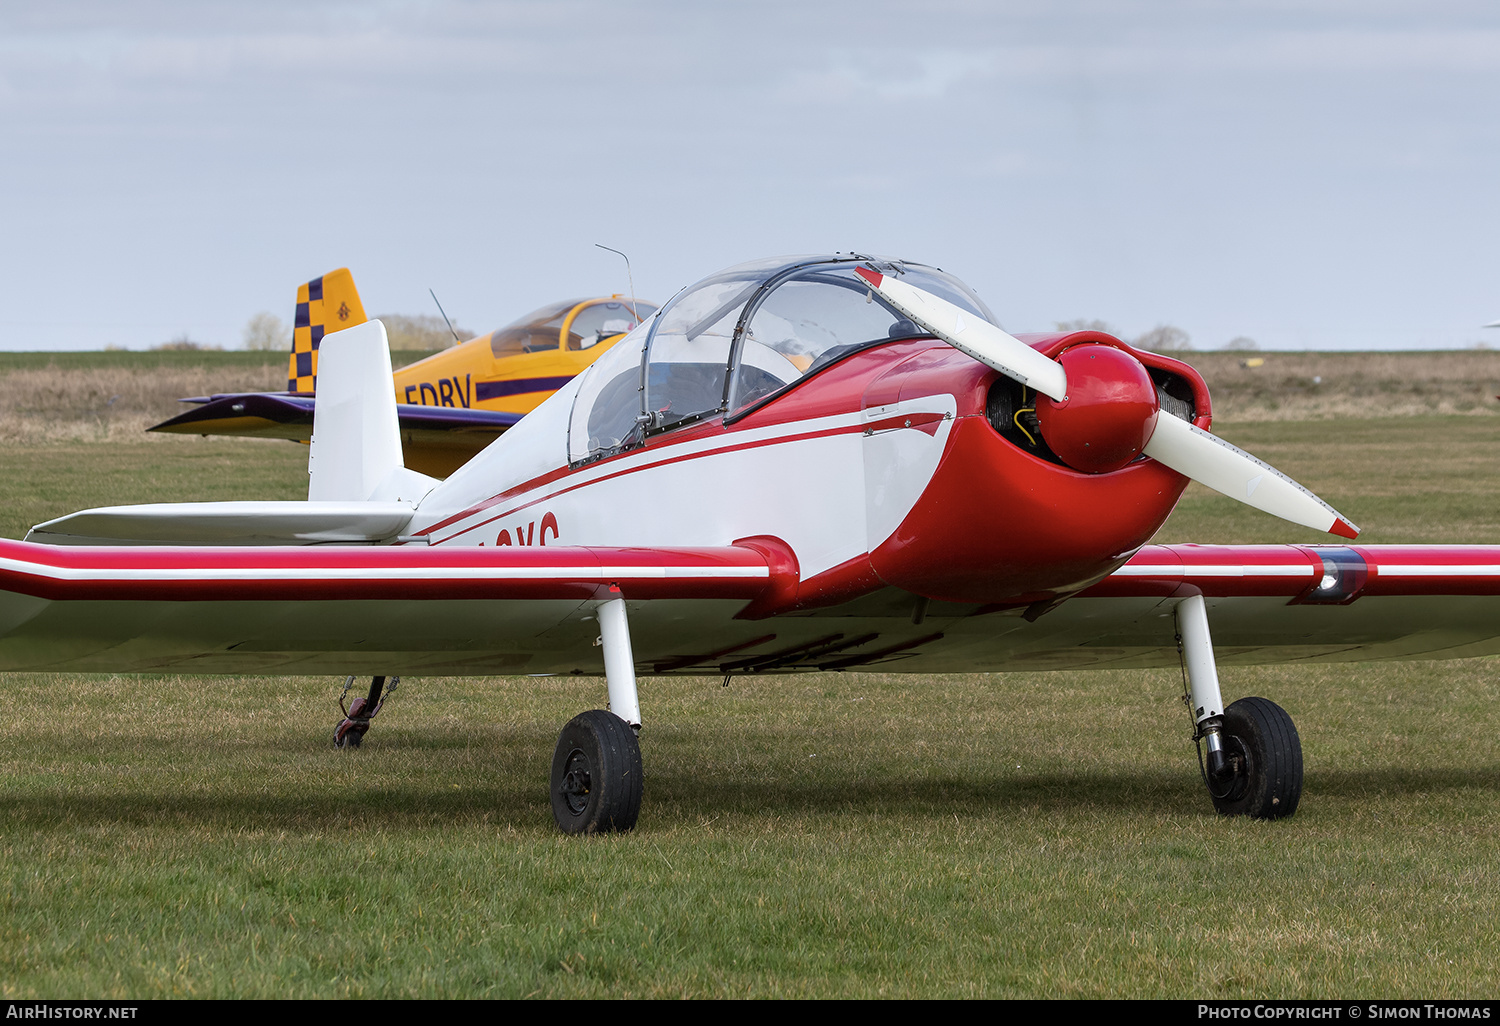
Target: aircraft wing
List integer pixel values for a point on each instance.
(341, 608)
(1265, 604)
(437, 610)
(1324, 603)
(435, 440)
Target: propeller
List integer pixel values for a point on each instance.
(1101, 411)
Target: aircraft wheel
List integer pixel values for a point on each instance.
(596, 774)
(1265, 757)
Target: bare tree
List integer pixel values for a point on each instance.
(1084, 325)
(1164, 338)
(184, 344)
(422, 331)
(266, 332)
(1242, 344)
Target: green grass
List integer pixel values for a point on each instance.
(830, 836)
(824, 835)
(1403, 480)
(47, 481)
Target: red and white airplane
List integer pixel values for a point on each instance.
(809, 464)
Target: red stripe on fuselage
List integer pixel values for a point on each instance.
(836, 391)
(927, 422)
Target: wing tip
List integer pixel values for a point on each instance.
(874, 277)
(1343, 528)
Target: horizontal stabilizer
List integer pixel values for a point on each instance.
(435, 440)
(283, 415)
(227, 523)
(245, 415)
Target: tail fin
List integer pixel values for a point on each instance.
(356, 441)
(324, 305)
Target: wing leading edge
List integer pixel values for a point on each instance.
(1307, 574)
(313, 609)
(450, 610)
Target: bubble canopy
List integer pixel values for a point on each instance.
(735, 339)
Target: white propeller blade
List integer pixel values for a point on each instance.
(971, 334)
(1211, 461)
(1187, 449)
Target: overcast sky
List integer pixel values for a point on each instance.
(1310, 174)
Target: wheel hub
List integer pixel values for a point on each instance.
(1231, 784)
(576, 782)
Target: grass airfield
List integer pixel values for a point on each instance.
(832, 835)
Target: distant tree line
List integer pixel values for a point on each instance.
(267, 332)
(1164, 338)
(184, 344)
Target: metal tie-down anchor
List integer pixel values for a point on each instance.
(359, 713)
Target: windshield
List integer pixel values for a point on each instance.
(687, 359)
(607, 408)
(603, 319)
(537, 331)
(819, 314)
(551, 315)
(739, 336)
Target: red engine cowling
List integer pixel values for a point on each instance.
(997, 524)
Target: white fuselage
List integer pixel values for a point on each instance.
(825, 486)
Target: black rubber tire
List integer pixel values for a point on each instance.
(349, 740)
(1261, 742)
(596, 775)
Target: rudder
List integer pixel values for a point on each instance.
(324, 305)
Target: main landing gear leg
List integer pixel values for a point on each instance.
(1254, 762)
(351, 730)
(596, 769)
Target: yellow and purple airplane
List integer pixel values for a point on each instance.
(451, 404)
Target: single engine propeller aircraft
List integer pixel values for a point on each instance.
(819, 463)
(451, 404)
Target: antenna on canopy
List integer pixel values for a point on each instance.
(445, 315)
(629, 277)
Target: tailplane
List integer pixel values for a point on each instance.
(324, 305)
(359, 489)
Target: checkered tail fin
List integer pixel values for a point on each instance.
(324, 305)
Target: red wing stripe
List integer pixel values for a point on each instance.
(1438, 570)
(344, 573)
(56, 572)
(1212, 570)
(1268, 570)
